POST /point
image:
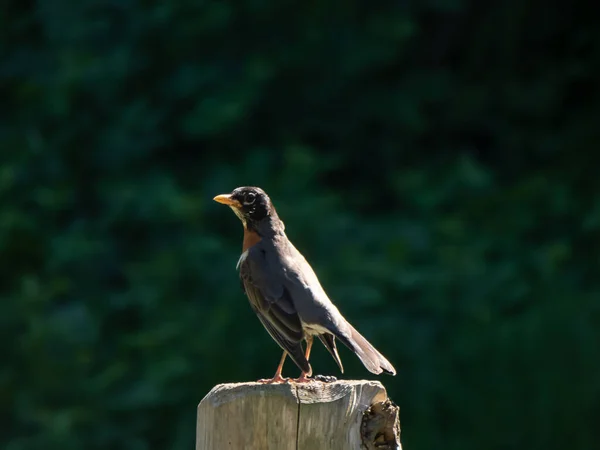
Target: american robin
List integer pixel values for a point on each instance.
(285, 293)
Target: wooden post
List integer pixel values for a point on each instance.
(342, 415)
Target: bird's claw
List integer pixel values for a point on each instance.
(304, 378)
(275, 380)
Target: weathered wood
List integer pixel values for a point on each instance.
(342, 415)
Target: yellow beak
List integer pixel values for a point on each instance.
(227, 200)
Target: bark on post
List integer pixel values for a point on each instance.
(342, 415)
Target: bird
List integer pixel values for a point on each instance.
(285, 293)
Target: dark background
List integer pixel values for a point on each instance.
(436, 161)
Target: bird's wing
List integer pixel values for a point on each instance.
(273, 305)
(316, 310)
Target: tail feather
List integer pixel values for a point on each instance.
(374, 361)
(328, 341)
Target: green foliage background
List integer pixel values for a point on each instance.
(436, 161)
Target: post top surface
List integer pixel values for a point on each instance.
(312, 392)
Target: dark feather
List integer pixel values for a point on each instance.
(374, 361)
(272, 304)
(293, 349)
(328, 341)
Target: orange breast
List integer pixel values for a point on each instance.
(250, 238)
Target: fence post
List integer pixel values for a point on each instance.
(342, 415)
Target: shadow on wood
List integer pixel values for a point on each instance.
(343, 415)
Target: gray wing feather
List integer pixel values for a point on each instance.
(273, 305)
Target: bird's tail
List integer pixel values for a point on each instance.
(374, 361)
(328, 341)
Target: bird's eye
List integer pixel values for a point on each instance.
(249, 198)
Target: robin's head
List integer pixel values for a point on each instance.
(250, 204)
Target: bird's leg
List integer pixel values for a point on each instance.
(277, 378)
(309, 342)
(304, 377)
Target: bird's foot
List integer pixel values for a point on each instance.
(275, 380)
(304, 378)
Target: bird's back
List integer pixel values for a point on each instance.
(309, 298)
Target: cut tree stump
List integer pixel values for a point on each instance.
(342, 415)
